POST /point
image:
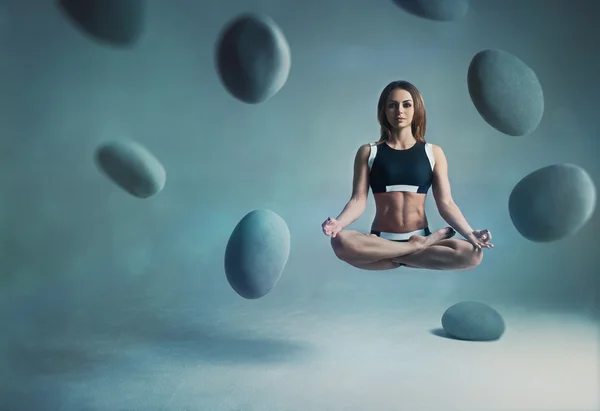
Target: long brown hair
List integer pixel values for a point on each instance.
(419, 122)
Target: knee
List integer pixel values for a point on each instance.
(473, 258)
(476, 258)
(340, 244)
(469, 255)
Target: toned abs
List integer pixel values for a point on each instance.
(399, 212)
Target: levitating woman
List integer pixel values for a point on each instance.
(400, 168)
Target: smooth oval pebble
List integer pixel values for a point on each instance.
(506, 92)
(473, 321)
(116, 22)
(253, 58)
(552, 203)
(257, 253)
(437, 10)
(132, 167)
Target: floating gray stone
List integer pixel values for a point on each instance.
(253, 58)
(473, 321)
(116, 22)
(552, 203)
(132, 167)
(257, 253)
(437, 10)
(506, 92)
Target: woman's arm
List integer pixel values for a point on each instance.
(442, 193)
(360, 188)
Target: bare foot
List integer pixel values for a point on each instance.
(441, 234)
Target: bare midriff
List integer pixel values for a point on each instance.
(399, 212)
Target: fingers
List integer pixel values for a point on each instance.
(486, 238)
(335, 231)
(488, 235)
(479, 245)
(326, 226)
(483, 239)
(330, 227)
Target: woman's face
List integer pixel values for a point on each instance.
(399, 108)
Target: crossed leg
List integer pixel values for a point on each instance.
(444, 254)
(449, 254)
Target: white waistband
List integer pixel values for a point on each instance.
(402, 236)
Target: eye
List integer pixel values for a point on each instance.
(407, 105)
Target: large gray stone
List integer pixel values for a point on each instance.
(257, 253)
(506, 92)
(473, 321)
(552, 203)
(132, 167)
(253, 58)
(437, 10)
(115, 22)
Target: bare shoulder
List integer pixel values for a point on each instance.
(437, 150)
(364, 150)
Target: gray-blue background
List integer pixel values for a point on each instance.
(81, 260)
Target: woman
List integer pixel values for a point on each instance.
(400, 168)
